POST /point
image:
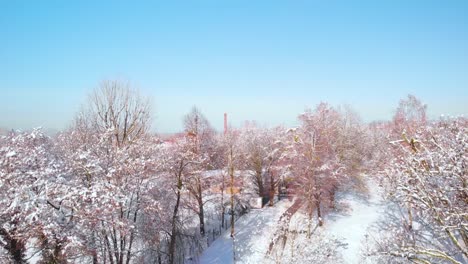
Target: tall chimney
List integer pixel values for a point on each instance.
(225, 123)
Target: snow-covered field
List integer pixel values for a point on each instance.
(352, 224)
(251, 238)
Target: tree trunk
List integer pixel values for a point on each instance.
(174, 232)
(231, 172)
(122, 247)
(116, 246)
(109, 251)
(201, 215)
(259, 179)
(232, 205)
(201, 211)
(223, 209)
(410, 217)
(94, 252)
(272, 189)
(132, 237)
(129, 250)
(309, 224)
(319, 213)
(279, 190)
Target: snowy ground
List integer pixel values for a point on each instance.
(251, 238)
(352, 223)
(355, 224)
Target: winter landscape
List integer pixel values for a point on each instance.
(233, 132)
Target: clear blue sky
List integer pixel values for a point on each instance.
(256, 60)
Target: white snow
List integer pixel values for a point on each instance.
(10, 154)
(252, 237)
(354, 225)
(350, 226)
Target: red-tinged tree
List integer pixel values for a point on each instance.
(313, 156)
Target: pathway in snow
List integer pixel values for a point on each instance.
(353, 224)
(255, 230)
(252, 237)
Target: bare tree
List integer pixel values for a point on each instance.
(196, 125)
(108, 146)
(115, 106)
(201, 136)
(410, 114)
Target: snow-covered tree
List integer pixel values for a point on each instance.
(261, 150)
(30, 196)
(108, 192)
(179, 163)
(429, 180)
(109, 163)
(314, 159)
(200, 136)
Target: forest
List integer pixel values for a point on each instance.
(109, 190)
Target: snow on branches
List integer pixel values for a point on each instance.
(30, 180)
(324, 150)
(428, 175)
